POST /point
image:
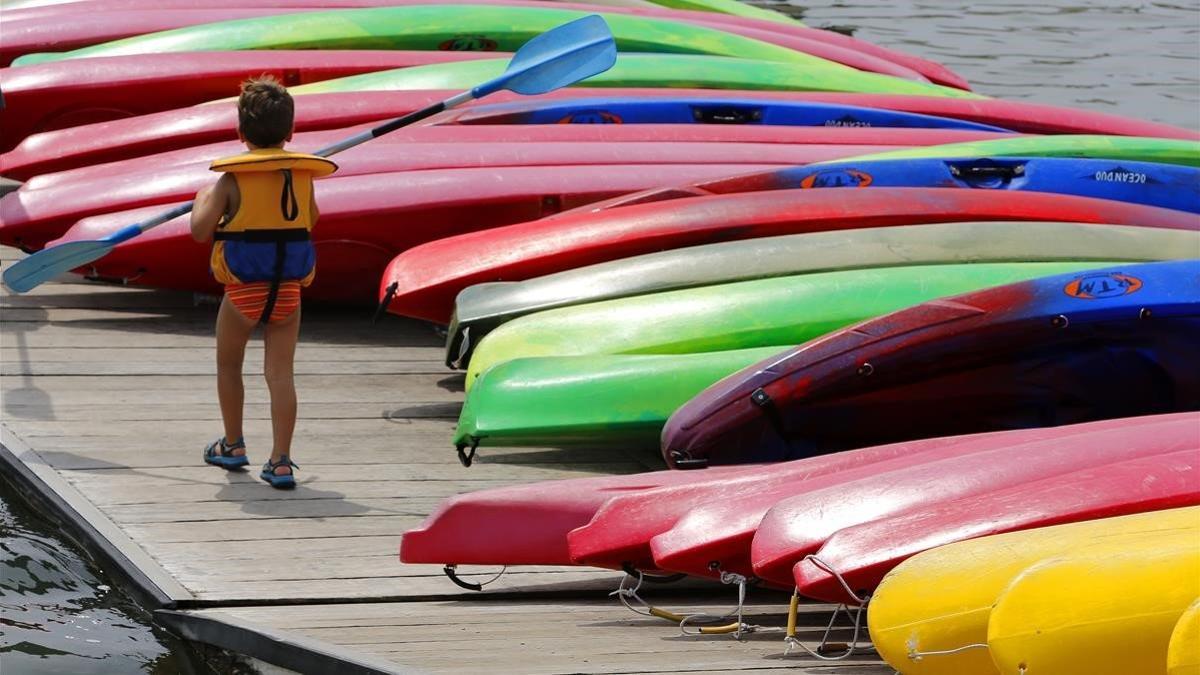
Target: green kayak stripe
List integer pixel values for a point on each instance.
(431, 27)
(1130, 148)
(649, 70)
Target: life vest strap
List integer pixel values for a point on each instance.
(263, 236)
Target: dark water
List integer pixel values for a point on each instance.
(58, 615)
(1139, 59)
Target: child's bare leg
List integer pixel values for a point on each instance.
(278, 367)
(233, 332)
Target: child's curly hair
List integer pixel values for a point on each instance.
(265, 111)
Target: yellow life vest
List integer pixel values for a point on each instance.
(268, 238)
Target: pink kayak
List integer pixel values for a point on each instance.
(863, 554)
(70, 93)
(527, 524)
(799, 525)
(31, 216)
(169, 130)
(619, 533)
(367, 220)
(135, 18)
(422, 282)
(584, 135)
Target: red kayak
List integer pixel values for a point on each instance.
(585, 135)
(863, 554)
(620, 532)
(33, 215)
(799, 525)
(526, 524)
(43, 26)
(70, 93)
(422, 282)
(170, 130)
(367, 220)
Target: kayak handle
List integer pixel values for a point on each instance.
(988, 173)
(727, 114)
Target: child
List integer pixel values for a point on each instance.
(259, 214)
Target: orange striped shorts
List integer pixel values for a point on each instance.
(251, 299)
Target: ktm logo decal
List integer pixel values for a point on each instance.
(592, 117)
(1109, 285)
(837, 178)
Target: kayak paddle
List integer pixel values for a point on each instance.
(559, 57)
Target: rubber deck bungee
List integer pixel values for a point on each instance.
(915, 629)
(367, 219)
(780, 311)
(164, 131)
(432, 27)
(657, 70)
(1134, 319)
(426, 278)
(862, 554)
(479, 309)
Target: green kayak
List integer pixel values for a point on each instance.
(758, 313)
(431, 27)
(651, 70)
(1131, 148)
(734, 7)
(536, 401)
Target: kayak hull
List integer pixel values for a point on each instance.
(366, 220)
(480, 309)
(862, 554)
(1022, 337)
(426, 279)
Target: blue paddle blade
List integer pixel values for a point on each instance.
(559, 57)
(49, 263)
(29, 273)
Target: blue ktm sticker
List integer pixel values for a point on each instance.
(1104, 285)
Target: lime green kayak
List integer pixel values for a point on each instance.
(759, 313)
(1131, 148)
(651, 70)
(430, 27)
(536, 401)
(734, 7)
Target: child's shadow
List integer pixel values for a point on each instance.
(259, 499)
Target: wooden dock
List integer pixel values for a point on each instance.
(108, 396)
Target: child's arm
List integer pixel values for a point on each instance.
(212, 203)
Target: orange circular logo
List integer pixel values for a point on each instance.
(1104, 285)
(837, 178)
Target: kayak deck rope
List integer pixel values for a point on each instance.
(915, 655)
(824, 647)
(737, 628)
(828, 569)
(451, 572)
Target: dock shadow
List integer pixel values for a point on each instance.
(27, 401)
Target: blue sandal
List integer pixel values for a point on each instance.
(219, 453)
(281, 481)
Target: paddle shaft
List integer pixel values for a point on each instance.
(387, 127)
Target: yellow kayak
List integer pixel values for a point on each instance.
(1092, 612)
(941, 600)
(1183, 655)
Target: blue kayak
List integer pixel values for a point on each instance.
(694, 110)
(1163, 185)
(1070, 348)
